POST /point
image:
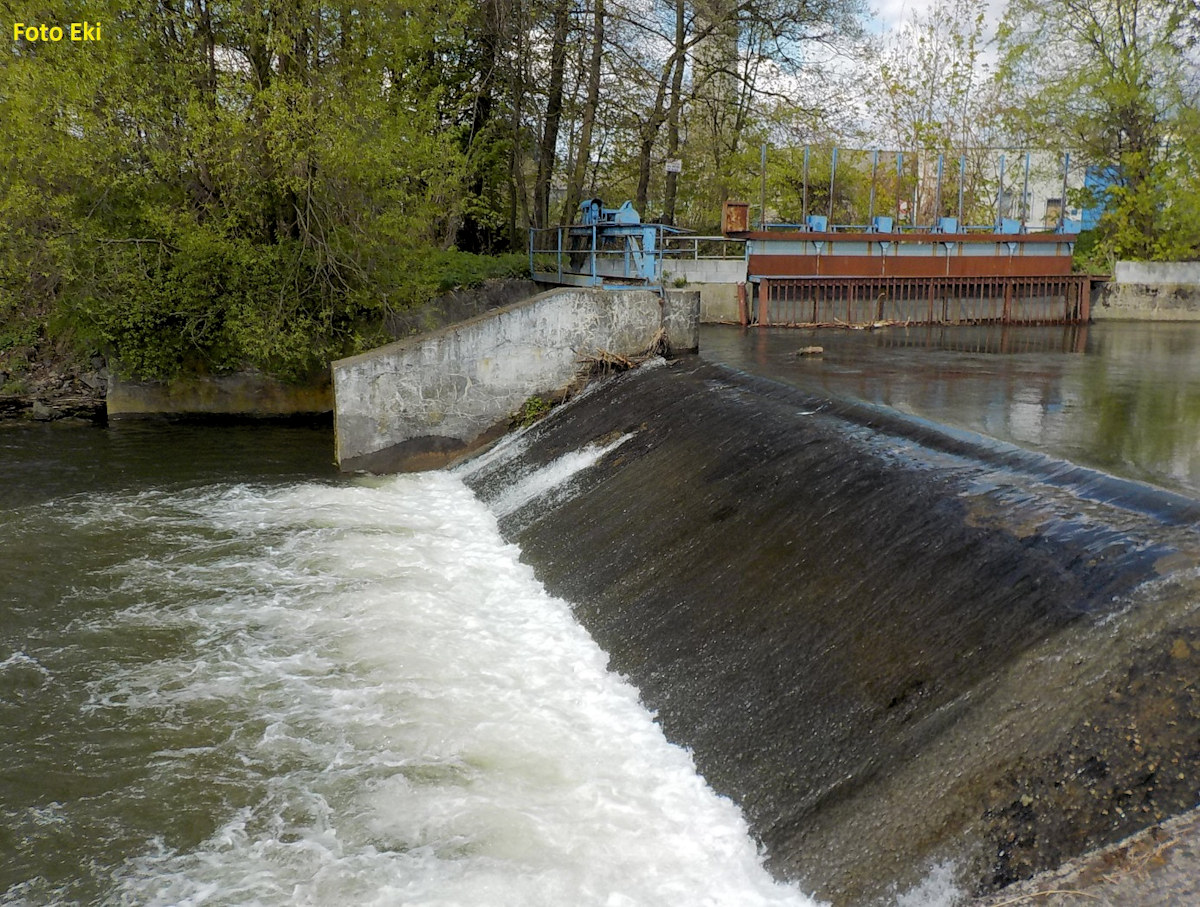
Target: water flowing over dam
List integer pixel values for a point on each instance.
(923, 662)
(230, 676)
(903, 650)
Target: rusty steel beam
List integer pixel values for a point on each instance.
(910, 237)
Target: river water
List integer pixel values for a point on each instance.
(230, 676)
(1123, 398)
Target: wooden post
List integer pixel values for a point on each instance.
(763, 315)
(743, 304)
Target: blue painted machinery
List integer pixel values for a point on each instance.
(607, 247)
(593, 212)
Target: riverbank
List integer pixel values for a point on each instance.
(53, 389)
(41, 381)
(1158, 866)
(1150, 291)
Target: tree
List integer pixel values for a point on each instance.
(935, 97)
(219, 183)
(1113, 80)
(228, 183)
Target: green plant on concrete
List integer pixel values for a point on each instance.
(531, 411)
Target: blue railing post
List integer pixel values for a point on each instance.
(1000, 197)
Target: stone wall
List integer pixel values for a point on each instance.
(421, 402)
(1150, 291)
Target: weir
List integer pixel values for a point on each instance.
(895, 647)
(815, 274)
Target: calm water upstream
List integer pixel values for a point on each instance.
(1122, 398)
(229, 676)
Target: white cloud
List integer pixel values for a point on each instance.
(889, 15)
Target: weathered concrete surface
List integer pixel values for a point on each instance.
(1150, 291)
(1158, 272)
(715, 278)
(246, 393)
(419, 403)
(705, 270)
(458, 305)
(1158, 867)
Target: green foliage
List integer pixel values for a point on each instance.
(229, 185)
(451, 269)
(851, 185)
(1115, 80)
(1088, 255)
(931, 79)
(17, 335)
(531, 411)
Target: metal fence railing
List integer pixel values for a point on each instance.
(622, 255)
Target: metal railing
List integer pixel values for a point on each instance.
(615, 256)
(703, 248)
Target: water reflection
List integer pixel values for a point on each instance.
(1124, 398)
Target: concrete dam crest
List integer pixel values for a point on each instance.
(895, 646)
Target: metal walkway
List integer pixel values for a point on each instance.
(609, 248)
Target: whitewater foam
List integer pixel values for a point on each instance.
(407, 716)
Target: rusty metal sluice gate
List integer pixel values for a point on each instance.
(869, 301)
(814, 275)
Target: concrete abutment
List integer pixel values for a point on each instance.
(424, 401)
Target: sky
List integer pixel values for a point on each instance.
(889, 14)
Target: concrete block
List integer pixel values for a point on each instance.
(681, 320)
(1158, 273)
(423, 401)
(718, 303)
(246, 393)
(1146, 302)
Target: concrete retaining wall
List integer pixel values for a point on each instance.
(1150, 291)
(249, 394)
(422, 402)
(715, 278)
(457, 305)
(1186, 273)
